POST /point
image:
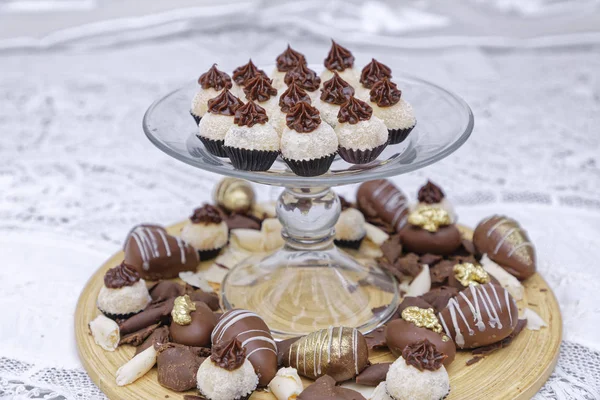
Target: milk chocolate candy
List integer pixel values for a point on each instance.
(480, 315)
(178, 366)
(338, 352)
(507, 244)
(373, 375)
(381, 200)
(324, 389)
(445, 241)
(253, 332)
(157, 255)
(198, 331)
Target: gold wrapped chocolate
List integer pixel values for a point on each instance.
(234, 195)
(468, 273)
(338, 352)
(422, 317)
(429, 218)
(182, 308)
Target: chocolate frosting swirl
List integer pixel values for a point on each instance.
(385, 93)
(213, 78)
(430, 193)
(241, 75)
(373, 72)
(207, 214)
(289, 59)
(354, 110)
(224, 104)
(292, 96)
(250, 114)
(303, 118)
(120, 276)
(339, 58)
(423, 355)
(336, 90)
(229, 354)
(259, 88)
(306, 78)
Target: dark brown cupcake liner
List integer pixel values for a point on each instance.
(314, 167)
(361, 156)
(251, 160)
(350, 244)
(196, 118)
(399, 135)
(209, 254)
(214, 147)
(116, 317)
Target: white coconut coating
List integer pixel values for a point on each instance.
(255, 137)
(125, 300)
(217, 383)
(277, 119)
(398, 116)
(215, 126)
(203, 236)
(308, 146)
(200, 101)
(238, 91)
(380, 393)
(350, 225)
(361, 92)
(350, 75)
(278, 79)
(328, 111)
(405, 382)
(362, 136)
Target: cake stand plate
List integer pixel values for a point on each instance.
(515, 372)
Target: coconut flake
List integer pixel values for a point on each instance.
(534, 321)
(508, 281)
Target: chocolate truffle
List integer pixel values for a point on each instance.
(155, 254)
(255, 336)
(193, 322)
(216, 122)
(396, 113)
(242, 75)
(340, 60)
(338, 352)
(350, 229)
(123, 294)
(374, 72)
(211, 83)
(334, 93)
(305, 77)
(206, 231)
(324, 389)
(382, 203)
(507, 244)
(177, 366)
(479, 315)
(285, 62)
(430, 230)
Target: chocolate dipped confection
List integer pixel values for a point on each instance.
(324, 388)
(430, 230)
(506, 243)
(396, 113)
(382, 203)
(418, 324)
(255, 336)
(479, 315)
(211, 83)
(214, 125)
(373, 72)
(340, 353)
(305, 77)
(177, 366)
(123, 294)
(206, 231)
(334, 93)
(155, 313)
(155, 254)
(192, 322)
(340, 60)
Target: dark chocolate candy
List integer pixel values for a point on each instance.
(439, 297)
(380, 199)
(197, 333)
(392, 249)
(138, 337)
(177, 366)
(506, 243)
(445, 241)
(241, 221)
(158, 337)
(153, 314)
(373, 375)
(324, 389)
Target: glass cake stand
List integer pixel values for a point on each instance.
(310, 284)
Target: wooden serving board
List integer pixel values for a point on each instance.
(515, 372)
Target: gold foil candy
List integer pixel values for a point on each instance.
(468, 274)
(182, 308)
(429, 218)
(234, 195)
(422, 317)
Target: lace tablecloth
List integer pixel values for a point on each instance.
(76, 171)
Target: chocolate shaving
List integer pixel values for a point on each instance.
(259, 89)
(376, 338)
(473, 360)
(153, 314)
(120, 276)
(193, 397)
(408, 265)
(138, 337)
(241, 75)
(250, 114)
(303, 118)
(224, 104)
(339, 58)
(353, 111)
(373, 72)
(430, 193)
(229, 355)
(336, 90)
(423, 355)
(486, 350)
(159, 337)
(430, 259)
(439, 297)
(392, 249)
(215, 79)
(385, 93)
(289, 59)
(442, 271)
(373, 375)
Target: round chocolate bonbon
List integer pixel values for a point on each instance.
(198, 331)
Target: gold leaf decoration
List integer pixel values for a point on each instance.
(470, 274)
(429, 218)
(182, 309)
(422, 317)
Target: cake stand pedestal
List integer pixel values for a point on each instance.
(310, 284)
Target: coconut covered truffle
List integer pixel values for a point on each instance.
(362, 136)
(418, 374)
(285, 62)
(334, 93)
(307, 145)
(227, 374)
(211, 83)
(214, 125)
(123, 294)
(206, 231)
(242, 75)
(306, 78)
(293, 95)
(350, 229)
(372, 73)
(396, 113)
(341, 60)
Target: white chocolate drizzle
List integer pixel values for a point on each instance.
(507, 234)
(148, 244)
(394, 202)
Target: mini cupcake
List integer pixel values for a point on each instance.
(372, 73)
(341, 60)
(214, 125)
(431, 194)
(251, 143)
(396, 113)
(288, 99)
(307, 146)
(211, 83)
(206, 232)
(306, 78)
(227, 374)
(124, 294)
(334, 93)
(285, 62)
(362, 136)
(241, 76)
(350, 229)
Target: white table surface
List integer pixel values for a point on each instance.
(76, 171)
